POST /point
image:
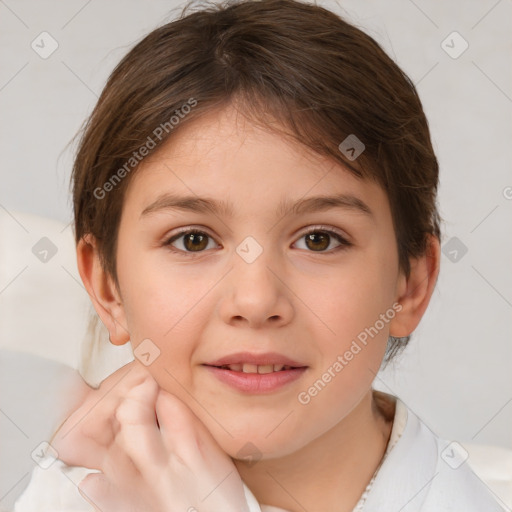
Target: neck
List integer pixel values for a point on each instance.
(332, 471)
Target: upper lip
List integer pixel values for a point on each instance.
(257, 359)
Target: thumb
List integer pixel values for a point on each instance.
(97, 491)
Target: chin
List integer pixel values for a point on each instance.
(257, 445)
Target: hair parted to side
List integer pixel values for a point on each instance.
(295, 68)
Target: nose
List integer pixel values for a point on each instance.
(257, 293)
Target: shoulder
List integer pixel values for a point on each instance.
(424, 473)
(54, 489)
(452, 484)
(455, 485)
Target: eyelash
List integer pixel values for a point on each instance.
(344, 243)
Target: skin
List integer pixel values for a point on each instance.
(304, 303)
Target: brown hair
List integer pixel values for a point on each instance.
(299, 64)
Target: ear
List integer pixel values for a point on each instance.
(414, 292)
(102, 290)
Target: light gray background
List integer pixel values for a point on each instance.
(456, 374)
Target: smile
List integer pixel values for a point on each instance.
(256, 379)
(253, 368)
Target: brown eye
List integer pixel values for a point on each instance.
(190, 241)
(195, 241)
(316, 240)
(319, 240)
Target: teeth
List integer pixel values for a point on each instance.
(253, 368)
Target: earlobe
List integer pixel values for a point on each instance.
(102, 290)
(415, 291)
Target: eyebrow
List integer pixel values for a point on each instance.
(197, 204)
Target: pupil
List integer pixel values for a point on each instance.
(313, 237)
(196, 239)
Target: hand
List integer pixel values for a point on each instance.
(154, 454)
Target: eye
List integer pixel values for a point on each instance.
(319, 239)
(193, 240)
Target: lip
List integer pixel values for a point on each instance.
(258, 359)
(256, 383)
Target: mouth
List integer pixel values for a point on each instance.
(254, 368)
(256, 373)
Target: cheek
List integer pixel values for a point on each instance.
(356, 306)
(167, 308)
(352, 297)
(157, 298)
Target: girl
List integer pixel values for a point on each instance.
(255, 213)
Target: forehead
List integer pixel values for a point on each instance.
(225, 156)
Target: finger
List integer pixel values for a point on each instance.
(183, 433)
(119, 468)
(87, 433)
(138, 434)
(98, 491)
(193, 446)
(85, 437)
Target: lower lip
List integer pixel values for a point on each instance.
(257, 382)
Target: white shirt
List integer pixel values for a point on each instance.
(419, 473)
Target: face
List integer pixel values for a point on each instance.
(269, 270)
